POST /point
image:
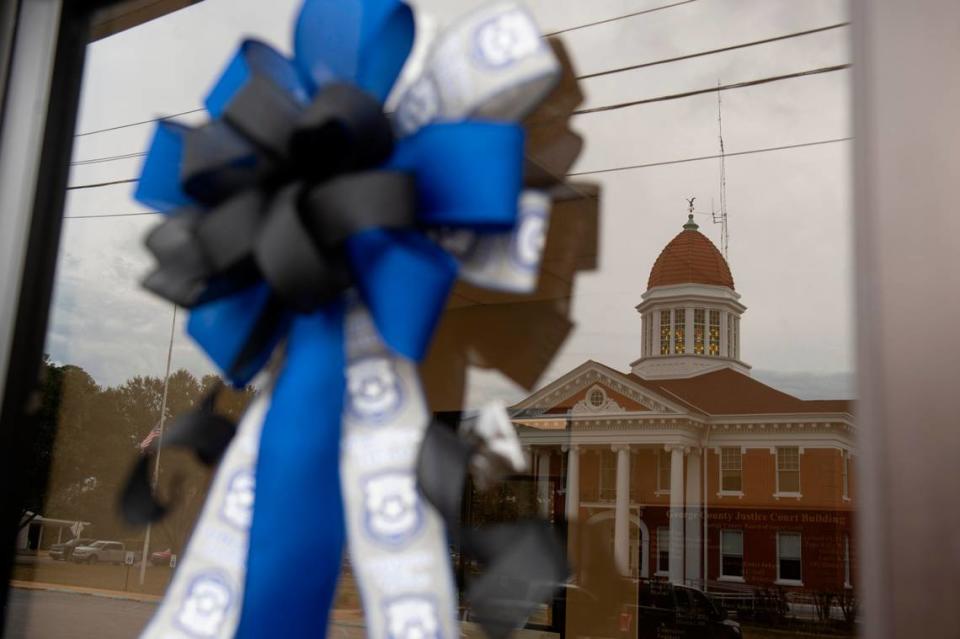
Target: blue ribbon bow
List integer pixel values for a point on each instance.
(466, 174)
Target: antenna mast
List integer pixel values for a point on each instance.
(720, 217)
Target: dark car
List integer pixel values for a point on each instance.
(667, 610)
(64, 551)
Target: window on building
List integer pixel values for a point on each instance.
(597, 398)
(731, 470)
(699, 331)
(789, 565)
(679, 330)
(731, 553)
(714, 350)
(664, 332)
(663, 550)
(788, 470)
(845, 473)
(663, 471)
(608, 475)
(846, 562)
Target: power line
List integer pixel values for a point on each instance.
(140, 123)
(623, 17)
(725, 87)
(98, 185)
(577, 174)
(611, 170)
(106, 215)
(711, 157)
(700, 54)
(797, 34)
(108, 158)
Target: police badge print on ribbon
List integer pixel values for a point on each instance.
(307, 227)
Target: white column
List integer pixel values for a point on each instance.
(621, 530)
(676, 514)
(573, 482)
(688, 331)
(693, 518)
(543, 483)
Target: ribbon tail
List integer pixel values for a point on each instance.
(297, 532)
(398, 549)
(203, 600)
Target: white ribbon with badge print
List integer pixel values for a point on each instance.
(490, 64)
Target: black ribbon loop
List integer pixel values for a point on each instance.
(202, 431)
(303, 276)
(218, 162)
(524, 561)
(286, 186)
(349, 125)
(350, 204)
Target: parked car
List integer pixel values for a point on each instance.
(161, 557)
(664, 609)
(63, 552)
(100, 552)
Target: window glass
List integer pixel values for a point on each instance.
(789, 557)
(731, 549)
(731, 469)
(714, 333)
(664, 460)
(663, 550)
(664, 332)
(679, 331)
(699, 331)
(788, 469)
(662, 242)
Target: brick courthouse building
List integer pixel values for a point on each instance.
(688, 448)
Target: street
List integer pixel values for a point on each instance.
(42, 614)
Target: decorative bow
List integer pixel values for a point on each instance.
(303, 214)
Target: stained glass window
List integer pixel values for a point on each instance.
(664, 332)
(679, 330)
(714, 333)
(699, 330)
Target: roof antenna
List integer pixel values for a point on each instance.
(720, 217)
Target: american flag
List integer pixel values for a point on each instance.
(152, 435)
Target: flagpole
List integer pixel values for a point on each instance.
(156, 466)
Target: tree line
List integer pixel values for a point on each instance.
(90, 437)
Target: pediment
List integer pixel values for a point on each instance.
(594, 389)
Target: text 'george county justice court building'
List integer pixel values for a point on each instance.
(702, 474)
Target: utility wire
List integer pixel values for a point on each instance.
(711, 157)
(797, 34)
(108, 158)
(566, 30)
(723, 87)
(140, 123)
(700, 54)
(98, 185)
(577, 174)
(106, 215)
(623, 17)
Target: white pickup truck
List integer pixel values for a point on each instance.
(100, 552)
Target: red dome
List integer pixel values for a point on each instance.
(690, 258)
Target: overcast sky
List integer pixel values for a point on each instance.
(790, 211)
